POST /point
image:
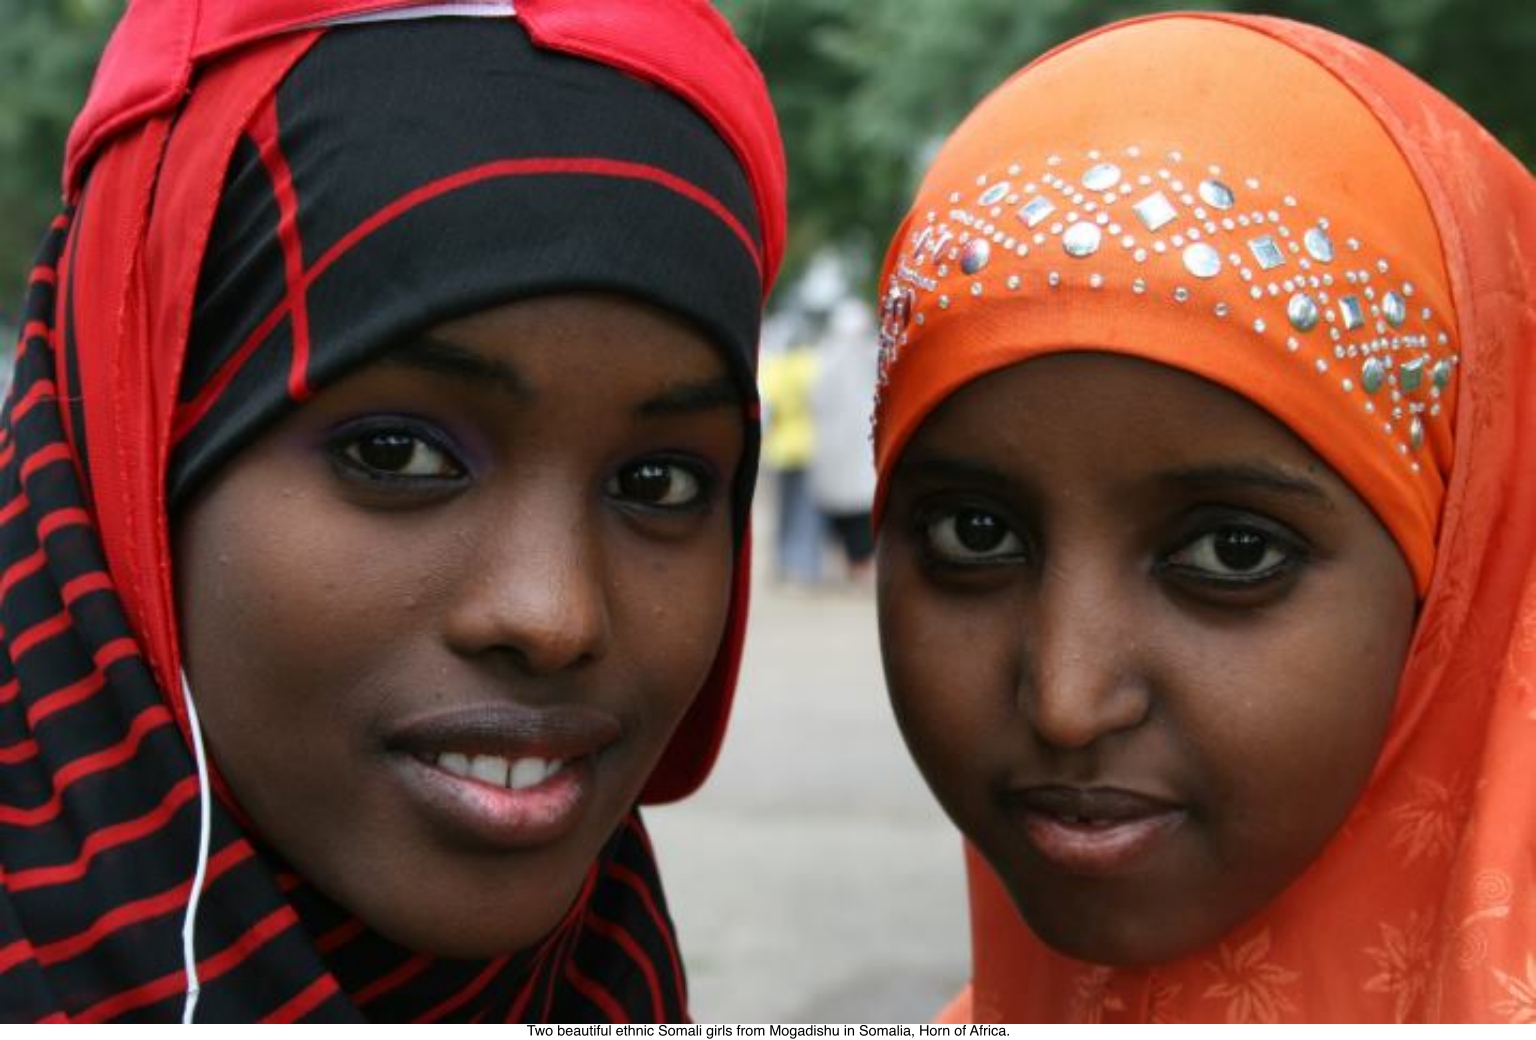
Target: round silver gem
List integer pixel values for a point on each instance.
(975, 255)
(1095, 281)
(1082, 239)
(1140, 256)
(1102, 177)
(1319, 244)
(1181, 294)
(943, 303)
(1395, 309)
(1054, 279)
(1303, 313)
(1442, 373)
(1222, 310)
(1139, 286)
(975, 288)
(1258, 325)
(1416, 433)
(1217, 194)
(1013, 281)
(1373, 375)
(1202, 260)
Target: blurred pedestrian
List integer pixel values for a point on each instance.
(785, 381)
(842, 469)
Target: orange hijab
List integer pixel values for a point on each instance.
(1294, 217)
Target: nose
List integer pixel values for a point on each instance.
(533, 590)
(1082, 677)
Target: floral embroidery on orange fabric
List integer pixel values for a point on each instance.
(1427, 822)
(1404, 957)
(1092, 999)
(1491, 893)
(1520, 1006)
(1252, 985)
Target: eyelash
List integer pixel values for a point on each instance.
(347, 446)
(698, 499)
(943, 545)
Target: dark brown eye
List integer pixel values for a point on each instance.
(1234, 554)
(657, 483)
(1240, 550)
(400, 453)
(972, 536)
(979, 532)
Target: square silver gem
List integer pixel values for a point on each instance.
(1351, 312)
(1267, 252)
(1036, 210)
(1155, 211)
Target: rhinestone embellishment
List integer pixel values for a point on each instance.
(1082, 239)
(1202, 260)
(1379, 339)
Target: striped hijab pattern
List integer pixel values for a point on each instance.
(330, 233)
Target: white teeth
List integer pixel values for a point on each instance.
(526, 772)
(489, 769)
(497, 771)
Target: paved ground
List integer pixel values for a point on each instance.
(814, 879)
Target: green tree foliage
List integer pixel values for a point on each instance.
(48, 49)
(866, 91)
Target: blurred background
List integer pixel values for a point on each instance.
(813, 879)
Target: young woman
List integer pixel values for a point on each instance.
(375, 510)
(1206, 568)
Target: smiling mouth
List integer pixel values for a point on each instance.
(502, 775)
(516, 774)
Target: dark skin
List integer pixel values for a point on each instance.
(1142, 642)
(507, 544)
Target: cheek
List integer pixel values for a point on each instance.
(949, 672)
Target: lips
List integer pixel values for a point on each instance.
(502, 775)
(1096, 831)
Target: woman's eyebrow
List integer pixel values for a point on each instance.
(690, 398)
(951, 469)
(1250, 476)
(439, 356)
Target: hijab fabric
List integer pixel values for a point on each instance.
(259, 199)
(1293, 217)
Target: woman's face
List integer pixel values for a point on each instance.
(1143, 643)
(441, 622)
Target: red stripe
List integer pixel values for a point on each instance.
(57, 452)
(264, 131)
(590, 989)
(106, 838)
(19, 952)
(20, 570)
(208, 969)
(309, 998)
(67, 697)
(394, 980)
(623, 874)
(40, 633)
(193, 412)
(627, 943)
(96, 581)
(20, 751)
(42, 390)
(339, 936)
(69, 516)
(128, 914)
(9, 691)
(40, 329)
(475, 988)
(147, 722)
(45, 275)
(16, 506)
(60, 222)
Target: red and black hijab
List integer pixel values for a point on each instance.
(258, 203)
